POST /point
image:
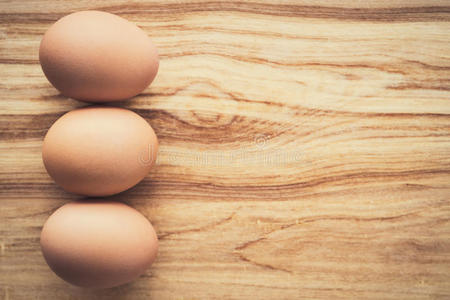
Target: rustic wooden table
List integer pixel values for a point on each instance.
(305, 149)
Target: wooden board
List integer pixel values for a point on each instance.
(305, 149)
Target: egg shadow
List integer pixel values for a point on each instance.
(127, 290)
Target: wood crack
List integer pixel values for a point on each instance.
(165, 235)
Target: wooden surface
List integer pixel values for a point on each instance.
(305, 150)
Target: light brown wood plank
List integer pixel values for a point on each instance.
(304, 150)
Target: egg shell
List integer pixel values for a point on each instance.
(96, 56)
(99, 150)
(98, 244)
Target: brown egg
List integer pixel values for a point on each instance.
(98, 244)
(99, 151)
(97, 56)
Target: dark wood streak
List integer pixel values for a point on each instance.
(355, 177)
(398, 14)
(46, 212)
(416, 86)
(32, 127)
(21, 61)
(401, 68)
(23, 126)
(235, 191)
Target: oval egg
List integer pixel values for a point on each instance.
(96, 56)
(99, 151)
(98, 244)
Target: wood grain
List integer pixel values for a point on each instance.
(305, 149)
